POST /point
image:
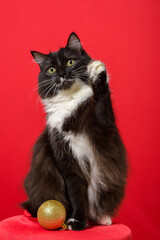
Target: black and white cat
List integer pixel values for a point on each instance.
(79, 159)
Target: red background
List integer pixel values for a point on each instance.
(125, 35)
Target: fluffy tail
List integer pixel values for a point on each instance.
(28, 206)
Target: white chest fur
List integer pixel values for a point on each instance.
(65, 103)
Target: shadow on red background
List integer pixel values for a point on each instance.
(125, 36)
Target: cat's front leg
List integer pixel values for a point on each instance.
(98, 77)
(101, 93)
(77, 193)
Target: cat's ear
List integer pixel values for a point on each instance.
(74, 42)
(39, 57)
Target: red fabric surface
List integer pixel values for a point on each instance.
(24, 227)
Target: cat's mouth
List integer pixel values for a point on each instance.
(65, 83)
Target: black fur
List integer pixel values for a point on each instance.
(55, 172)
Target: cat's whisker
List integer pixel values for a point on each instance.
(49, 90)
(40, 96)
(80, 74)
(79, 71)
(55, 89)
(81, 77)
(39, 85)
(42, 83)
(79, 68)
(37, 102)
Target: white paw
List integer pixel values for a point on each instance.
(94, 69)
(70, 223)
(105, 220)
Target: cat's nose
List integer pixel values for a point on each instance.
(61, 74)
(61, 79)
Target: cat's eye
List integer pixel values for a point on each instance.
(70, 62)
(51, 70)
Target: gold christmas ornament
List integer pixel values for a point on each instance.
(51, 215)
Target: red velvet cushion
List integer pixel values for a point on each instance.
(24, 227)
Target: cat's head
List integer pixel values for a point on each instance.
(61, 69)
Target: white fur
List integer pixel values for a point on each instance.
(71, 220)
(105, 220)
(81, 148)
(94, 69)
(65, 103)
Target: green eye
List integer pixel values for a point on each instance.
(51, 70)
(70, 62)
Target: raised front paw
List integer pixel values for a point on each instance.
(95, 69)
(76, 225)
